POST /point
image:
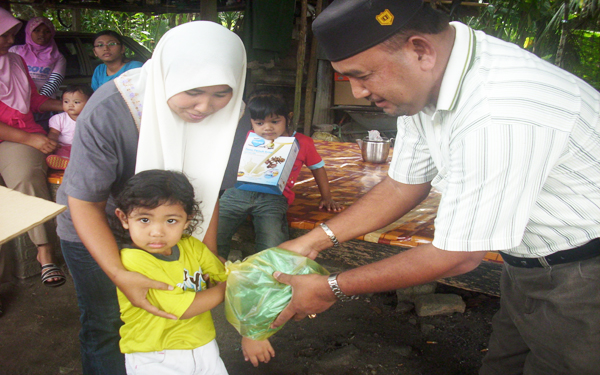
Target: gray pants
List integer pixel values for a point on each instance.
(23, 168)
(548, 322)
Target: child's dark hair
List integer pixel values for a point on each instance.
(82, 88)
(114, 34)
(155, 187)
(263, 103)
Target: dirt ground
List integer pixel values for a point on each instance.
(39, 330)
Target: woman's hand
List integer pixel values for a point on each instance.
(135, 286)
(330, 205)
(41, 142)
(257, 350)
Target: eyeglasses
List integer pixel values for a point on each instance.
(109, 44)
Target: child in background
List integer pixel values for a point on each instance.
(270, 117)
(158, 210)
(62, 126)
(108, 47)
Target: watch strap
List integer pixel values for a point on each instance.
(335, 288)
(330, 234)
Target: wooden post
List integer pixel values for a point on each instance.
(323, 114)
(300, 56)
(208, 10)
(76, 20)
(310, 79)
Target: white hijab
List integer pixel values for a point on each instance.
(195, 54)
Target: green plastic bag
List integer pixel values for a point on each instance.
(254, 298)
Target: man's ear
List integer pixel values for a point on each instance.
(122, 217)
(423, 50)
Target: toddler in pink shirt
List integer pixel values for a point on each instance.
(62, 125)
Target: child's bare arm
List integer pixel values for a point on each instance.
(327, 201)
(205, 300)
(53, 134)
(257, 350)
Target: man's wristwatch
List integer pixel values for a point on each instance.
(332, 280)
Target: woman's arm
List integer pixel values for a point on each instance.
(210, 238)
(52, 84)
(55, 79)
(91, 224)
(36, 140)
(49, 105)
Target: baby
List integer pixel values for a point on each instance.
(62, 126)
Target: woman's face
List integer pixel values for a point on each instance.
(197, 104)
(7, 40)
(41, 35)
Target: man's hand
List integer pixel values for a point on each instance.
(135, 286)
(41, 142)
(310, 295)
(257, 350)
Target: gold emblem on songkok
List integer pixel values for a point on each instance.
(385, 18)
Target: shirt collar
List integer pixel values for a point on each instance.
(460, 61)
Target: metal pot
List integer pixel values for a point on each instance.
(375, 151)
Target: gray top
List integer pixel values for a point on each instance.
(104, 152)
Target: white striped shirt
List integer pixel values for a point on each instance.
(513, 145)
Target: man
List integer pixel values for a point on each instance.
(511, 142)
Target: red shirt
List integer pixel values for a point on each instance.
(307, 154)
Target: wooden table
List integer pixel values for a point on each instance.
(350, 178)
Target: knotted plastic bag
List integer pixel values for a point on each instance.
(253, 297)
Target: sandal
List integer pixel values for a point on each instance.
(57, 162)
(51, 271)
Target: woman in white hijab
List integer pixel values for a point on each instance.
(184, 105)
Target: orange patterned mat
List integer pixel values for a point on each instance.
(350, 178)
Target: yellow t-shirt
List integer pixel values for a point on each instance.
(145, 332)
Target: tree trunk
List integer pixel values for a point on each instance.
(560, 52)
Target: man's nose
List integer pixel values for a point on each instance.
(358, 89)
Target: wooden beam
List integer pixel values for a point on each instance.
(310, 79)
(323, 114)
(76, 24)
(208, 10)
(300, 56)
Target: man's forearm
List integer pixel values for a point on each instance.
(416, 266)
(385, 203)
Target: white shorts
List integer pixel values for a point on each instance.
(204, 360)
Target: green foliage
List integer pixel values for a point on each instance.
(537, 25)
(145, 28)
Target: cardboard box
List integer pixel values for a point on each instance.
(265, 166)
(342, 92)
